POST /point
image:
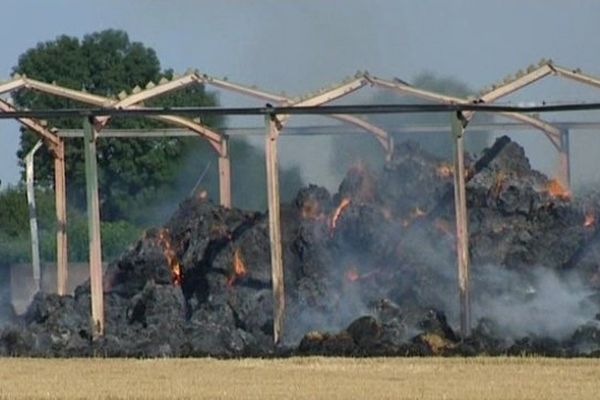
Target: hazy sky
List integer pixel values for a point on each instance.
(298, 46)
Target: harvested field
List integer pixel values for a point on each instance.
(309, 377)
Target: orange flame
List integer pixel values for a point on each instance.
(590, 220)
(345, 203)
(176, 271)
(556, 189)
(239, 268)
(445, 170)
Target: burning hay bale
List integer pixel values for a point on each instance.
(369, 270)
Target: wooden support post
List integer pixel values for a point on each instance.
(33, 225)
(275, 226)
(93, 209)
(565, 160)
(462, 232)
(60, 193)
(225, 174)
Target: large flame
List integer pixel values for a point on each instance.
(239, 267)
(164, 239)
(345, 203)
(556, 189)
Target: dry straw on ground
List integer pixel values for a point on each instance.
(310, 378)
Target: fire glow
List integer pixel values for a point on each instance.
(312, 210)
(557, 190)
(352, 275)
(445, 171)
(344, 204)
(239, 268)
(164, 241)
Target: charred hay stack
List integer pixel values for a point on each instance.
(369, 270)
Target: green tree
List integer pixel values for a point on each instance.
(141, 180)
(15, 241)
(135, 175)
(132, 171)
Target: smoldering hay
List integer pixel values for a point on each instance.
(369, 270)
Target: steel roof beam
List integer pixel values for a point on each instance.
(158, 90)
(413, 91)
(576, 75)
(517, 84)
(333, 94)
(245, 90)
(86, 98)
(32, 124)
(11, 85)
(552, 132)
(318, 99)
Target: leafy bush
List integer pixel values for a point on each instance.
(15, 241)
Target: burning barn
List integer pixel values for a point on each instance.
(369, 270)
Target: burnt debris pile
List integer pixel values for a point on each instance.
(370, 270)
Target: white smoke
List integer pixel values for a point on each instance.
(540, 302)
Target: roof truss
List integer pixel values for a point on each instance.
(138, 96)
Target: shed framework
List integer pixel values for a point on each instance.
(95, 122)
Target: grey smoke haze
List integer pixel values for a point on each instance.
(532, 302)
(544, 304)
(298, 47)
(537, 301)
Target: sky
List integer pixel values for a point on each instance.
(299, 46)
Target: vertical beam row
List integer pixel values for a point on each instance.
(33, 225)
(225, 173)
(60, 193)
(462, 232)
(93, 210)
(564, 160)
(272, 165)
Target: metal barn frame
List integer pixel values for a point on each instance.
(274, 122)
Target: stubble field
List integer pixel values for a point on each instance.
(310, 378)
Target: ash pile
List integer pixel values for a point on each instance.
(370, 270)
